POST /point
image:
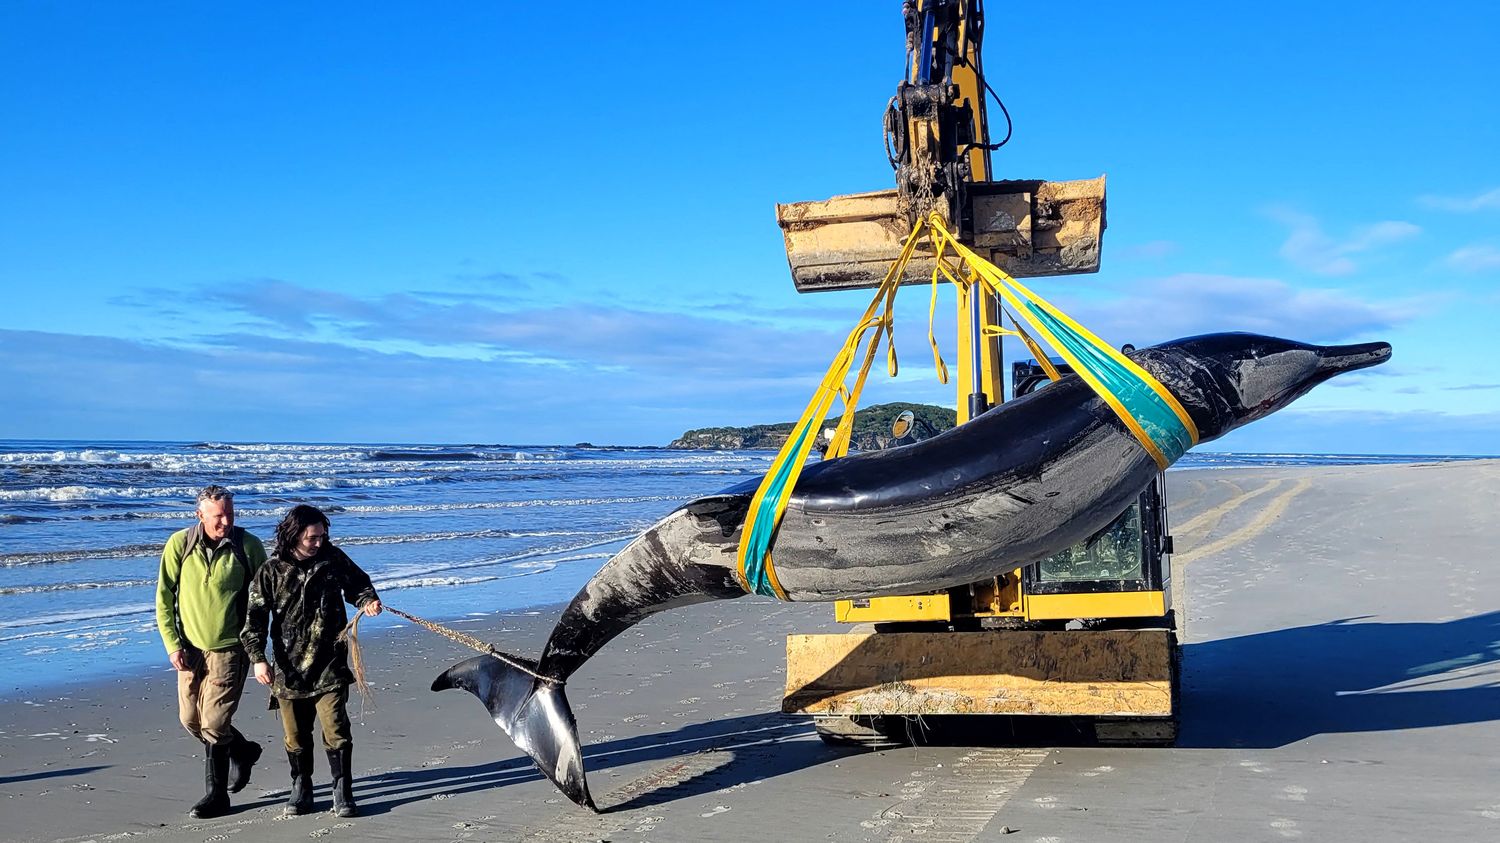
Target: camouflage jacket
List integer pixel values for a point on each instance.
(302, 603)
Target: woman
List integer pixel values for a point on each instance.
(302, 588)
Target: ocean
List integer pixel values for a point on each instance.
(445, 531)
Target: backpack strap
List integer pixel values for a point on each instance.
(195, 535)
(237, 547)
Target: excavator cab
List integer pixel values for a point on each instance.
(1129, 555)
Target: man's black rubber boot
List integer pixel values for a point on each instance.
(242, 756)
(215, 803)
(340, 761)
(300, 800)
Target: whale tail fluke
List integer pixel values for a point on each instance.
(533, 712)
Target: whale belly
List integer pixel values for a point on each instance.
(980, 530)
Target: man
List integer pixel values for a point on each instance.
(201, 596)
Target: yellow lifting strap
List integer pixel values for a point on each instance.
(1148, 410)
(754, 565)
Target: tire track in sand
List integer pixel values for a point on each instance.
(1205, 521)
(1208, 519)
(1274, 510)
(955, 804)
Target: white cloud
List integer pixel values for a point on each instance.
(1489, 200)
(1312, 249)
(1195, 303)
(1474, 259)
(323, 391)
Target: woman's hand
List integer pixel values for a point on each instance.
(263, 673)
(372, 608)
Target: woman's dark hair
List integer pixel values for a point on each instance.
(289, 531)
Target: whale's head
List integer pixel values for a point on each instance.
(1225, 381)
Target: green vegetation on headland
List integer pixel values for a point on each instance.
(872, 430)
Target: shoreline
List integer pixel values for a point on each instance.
(124, 653)
(1338, 685)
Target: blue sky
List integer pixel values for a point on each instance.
(480, 222)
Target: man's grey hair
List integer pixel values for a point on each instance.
(215, 493)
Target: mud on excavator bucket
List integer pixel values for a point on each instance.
(1027, 228)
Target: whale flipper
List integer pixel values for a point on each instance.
(533, 712)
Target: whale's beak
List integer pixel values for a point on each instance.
(1337, 359)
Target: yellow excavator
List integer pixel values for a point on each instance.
(1087, 634)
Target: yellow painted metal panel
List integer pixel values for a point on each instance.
(1114, 604)
(970, 89)
(916, 607)
(1102, 673)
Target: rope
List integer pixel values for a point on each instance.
(351, 632)
(357, 661)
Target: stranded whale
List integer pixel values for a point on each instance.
(1014, 485)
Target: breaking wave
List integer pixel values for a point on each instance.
(65, 494)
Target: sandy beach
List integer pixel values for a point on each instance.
(1340, 634)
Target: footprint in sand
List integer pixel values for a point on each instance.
(718, 809)
(1294, 793)
(1286, 827)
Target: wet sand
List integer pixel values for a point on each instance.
(1341, 652)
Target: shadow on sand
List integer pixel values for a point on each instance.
(754, 747)
(49, 774)
(1260, 691)
(1270, 689)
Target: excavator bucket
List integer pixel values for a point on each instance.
(1027, 228)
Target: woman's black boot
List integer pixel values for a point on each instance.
(340, 761)
(300, 800)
